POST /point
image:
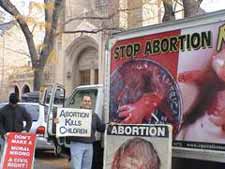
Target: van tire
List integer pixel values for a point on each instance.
(57, 150)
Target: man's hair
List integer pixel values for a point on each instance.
(86, 95)
(142, 151)
(13, 98)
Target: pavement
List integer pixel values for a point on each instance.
(47, 160)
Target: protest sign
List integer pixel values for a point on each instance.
(171, 77)
(19, 151)
(138, 146)
(74, 122)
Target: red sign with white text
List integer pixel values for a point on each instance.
(19, 151)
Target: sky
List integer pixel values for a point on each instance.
(213, 5)
(207, 5)
(23, 5)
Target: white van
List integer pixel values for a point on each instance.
(50, 99)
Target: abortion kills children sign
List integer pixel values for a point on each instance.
(74, 122)
(138, 146)
(19, 151)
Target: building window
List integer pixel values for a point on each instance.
(96, 76)
(85, 77)
(101, 6)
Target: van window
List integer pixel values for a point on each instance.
(76, 98)
(59, 96)
(48, 95)
(33, 110)
(30, 97)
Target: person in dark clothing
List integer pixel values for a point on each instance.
(12, 117)
(81, 148)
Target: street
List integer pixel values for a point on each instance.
(47, 160)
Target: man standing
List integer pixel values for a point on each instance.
(81, 148)
(12, 117)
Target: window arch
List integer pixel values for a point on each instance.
(25, 89)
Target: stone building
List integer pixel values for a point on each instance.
(14, 62)
(16, 74)
(80, 51)
(79, 55)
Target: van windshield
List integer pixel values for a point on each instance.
(76, 98)
(33, 110)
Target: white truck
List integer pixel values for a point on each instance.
(168, 73)
(53, 97)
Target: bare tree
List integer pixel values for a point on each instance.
(191, 7)
(39, 58)
(169, 12)
(51, 17)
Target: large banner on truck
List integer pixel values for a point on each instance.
(175, 77)
(138, 146)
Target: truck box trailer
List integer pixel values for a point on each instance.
(168, 73)
(172, 73)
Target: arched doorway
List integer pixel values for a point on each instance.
(25, 89)
(82, 62)
(88, 66)
(16, 90)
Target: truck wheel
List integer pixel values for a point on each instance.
(57, 150)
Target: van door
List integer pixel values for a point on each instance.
(53, 98)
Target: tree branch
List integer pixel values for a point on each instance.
(89, 17)
(177, 1)
(99, 17)
(169, 13)
(50, 33)
(33, 29)
(94, 31)
(191, 7)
